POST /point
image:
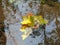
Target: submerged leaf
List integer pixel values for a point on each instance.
(26, 21)
(26, 33)
(42, 21)
(30, 21)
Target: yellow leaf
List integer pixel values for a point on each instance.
(26, 33)
(45, 21)
(24, 37)
(29, 20)
(24, 17)
(26, 21)
(22, 30)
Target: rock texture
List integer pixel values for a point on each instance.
(2, 36)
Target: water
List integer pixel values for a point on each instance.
(13, 20)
